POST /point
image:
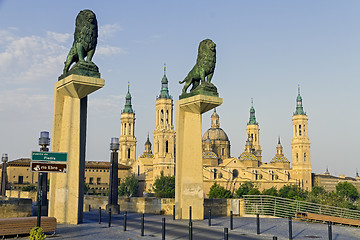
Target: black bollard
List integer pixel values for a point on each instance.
(330, 230)
(290, 228)
(226, 234)
(210, 217)
(190, 231)
(125, 218)
(109, 217)
(163, 229)
(99, 215)
(231, 221)
(274, 237)
(174, 212)
(257, 224)
(190, 214)
(142, 225)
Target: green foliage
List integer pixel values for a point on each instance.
(29, 188)
(128, 186)
(271, 191)
(164, 186)
(347, 190)
(245, 189)
(292, 192)
(86, 187)
(37, 234)
(217, 191)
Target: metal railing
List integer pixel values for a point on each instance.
(283, 207)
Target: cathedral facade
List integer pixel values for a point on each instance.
(218, 164)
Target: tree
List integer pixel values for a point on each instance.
(245, 188)
(128, 186)
(29, 188)
(217, 191)
(164, 186)
(271, 191)
(346, 189)
(293, 192)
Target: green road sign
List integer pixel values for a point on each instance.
(49, 156)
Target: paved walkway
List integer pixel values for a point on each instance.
(244, 228)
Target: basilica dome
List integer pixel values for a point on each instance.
(215, 134)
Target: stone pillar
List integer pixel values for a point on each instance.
(189, 185)
(69, 135)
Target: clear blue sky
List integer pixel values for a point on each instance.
(264, 50)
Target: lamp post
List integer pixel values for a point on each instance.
(113, 188)
(4, 175)
(44, 141)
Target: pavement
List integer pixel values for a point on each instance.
(244, 228)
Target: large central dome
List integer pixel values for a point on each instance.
(215, 134)
(220, 143)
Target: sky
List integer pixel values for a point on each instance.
(265, 49)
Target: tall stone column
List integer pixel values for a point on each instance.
(189, 185)
(69, 135)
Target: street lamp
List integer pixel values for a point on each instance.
(113, 183)
(44, 142)
(4, 159)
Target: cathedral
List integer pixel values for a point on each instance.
(218, 164)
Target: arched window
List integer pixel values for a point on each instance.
(304, 157)
(299, 130)
(161, 117)
(138, 170)
(304, 130)
(295, 130)
(297, 157)
(167, 116)
(235, 173)
(166, 146)
(222, 151)
(124, 128)
(128, 153)
(129, 129)
(215, 173)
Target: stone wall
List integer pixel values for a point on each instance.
(21, 194)
(15, 207)
(219, 207)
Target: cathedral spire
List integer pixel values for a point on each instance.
(252, 120)
(128, 106)
(299, 107)
(164, 93)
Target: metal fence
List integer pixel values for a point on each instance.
(283, 207)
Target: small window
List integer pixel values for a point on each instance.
(91, 180)
(138, 173)
(119, 181)
(98, 180)
(124, 128)
(304, 157)
(215, 173)
(222, 151)
(128, 153)
(166, 146)
(297, 157)
(129, 129)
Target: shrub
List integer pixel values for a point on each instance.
(217, 191)
(37, 234)
(29, 188)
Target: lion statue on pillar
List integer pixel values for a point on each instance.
(85, 40)
(203, 70)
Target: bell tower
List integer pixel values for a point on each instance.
(164, 133)
(252, 131)
(127, 140)
(301, 161)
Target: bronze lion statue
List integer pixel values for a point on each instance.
(204, 67)
(85, 39)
